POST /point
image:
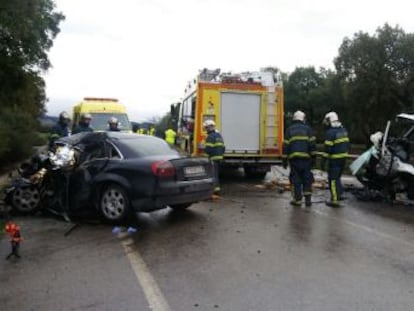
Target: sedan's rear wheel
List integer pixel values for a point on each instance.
(114, 203)
(26, 199)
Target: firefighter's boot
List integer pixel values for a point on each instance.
(296, 201)
(308, 201)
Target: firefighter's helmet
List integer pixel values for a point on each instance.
(330, 118)
(86, 116)
(299, 116)
(113, 120)
(209, 123)
(64, 116)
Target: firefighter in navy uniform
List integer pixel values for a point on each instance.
(336, 152)
(299, 151)
(84, 124)
(113, 125)
(61, 128)
(214, 149)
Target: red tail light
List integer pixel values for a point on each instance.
(163, 169)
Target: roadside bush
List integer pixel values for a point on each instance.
(41, 139)
(17, 135)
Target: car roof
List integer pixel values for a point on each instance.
(88, 137)
(406, 116)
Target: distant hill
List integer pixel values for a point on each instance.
(48, 121)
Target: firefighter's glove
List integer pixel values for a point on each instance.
(285, 163)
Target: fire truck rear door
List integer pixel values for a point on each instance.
(240, 122)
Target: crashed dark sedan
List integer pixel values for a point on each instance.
(119, 173)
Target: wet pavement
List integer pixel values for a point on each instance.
(250, 250)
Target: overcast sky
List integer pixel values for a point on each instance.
(144, 52)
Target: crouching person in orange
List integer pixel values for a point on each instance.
(13, 230)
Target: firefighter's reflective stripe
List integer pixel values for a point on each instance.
(334, 191)
(299, 141)
(339, 155)
(219, 144)
(297, 138)
(335, 156)
(299, 155)
(336, 143)
(214, 146)
(217, 157)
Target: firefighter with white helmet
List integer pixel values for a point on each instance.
(84, 124)
(209, 123)
(299, 116)
(113, 124)
(299, 151)
(335, 155)
(214, 148)
(61, 128)
(331, 117)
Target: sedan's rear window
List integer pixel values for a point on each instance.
(143, 146)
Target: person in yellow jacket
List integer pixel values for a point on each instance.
(170, 136)
(151, 130)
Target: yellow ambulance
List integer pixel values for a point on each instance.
(101, 109)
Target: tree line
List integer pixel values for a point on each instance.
(372, 79)
(27, 30)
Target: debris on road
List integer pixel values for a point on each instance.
(278, 178)
(129, 230)
(71, 229)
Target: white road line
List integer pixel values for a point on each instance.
(365, 228)
(155, 298)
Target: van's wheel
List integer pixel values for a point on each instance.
(180, 207)
(26, 200)
(114, 203)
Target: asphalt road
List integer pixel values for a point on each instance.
(248, 251)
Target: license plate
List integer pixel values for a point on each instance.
(194, 170)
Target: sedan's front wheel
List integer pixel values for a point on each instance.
(26, 200)
(114, 203)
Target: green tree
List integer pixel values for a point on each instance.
(311, 91)
(376, 75)
(27, 30)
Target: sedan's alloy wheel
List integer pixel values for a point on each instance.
(114, 203)
(26, 199)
